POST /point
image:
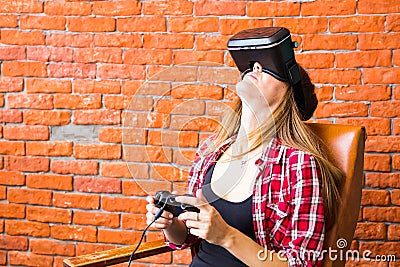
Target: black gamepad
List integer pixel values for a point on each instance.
(171, 205)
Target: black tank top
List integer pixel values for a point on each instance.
(237, 215)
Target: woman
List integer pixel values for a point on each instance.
(262, 183)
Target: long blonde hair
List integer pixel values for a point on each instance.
(287, 125)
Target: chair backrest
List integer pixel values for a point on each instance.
(346, 150)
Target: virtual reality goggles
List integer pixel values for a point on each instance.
(272, 47)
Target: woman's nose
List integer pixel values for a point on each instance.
(257, 67)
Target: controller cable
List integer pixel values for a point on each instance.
(156, 216)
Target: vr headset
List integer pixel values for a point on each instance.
(272, 47)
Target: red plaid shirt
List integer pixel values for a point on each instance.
(287, 207)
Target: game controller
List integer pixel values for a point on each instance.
(166, 200)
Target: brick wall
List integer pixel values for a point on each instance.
(87, 86)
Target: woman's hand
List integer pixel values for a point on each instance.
(166, 219)
(208, 224)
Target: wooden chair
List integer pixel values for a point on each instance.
(346, 149)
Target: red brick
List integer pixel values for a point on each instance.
(11, 211)
(42, 22)
(364, 59)
(12, 53)
(72, 70)
(88, 248)
(168, 173)
(384, 7)
(197, 91)
(147, 56)
(27, 228)
(97, 117)
(67, 8)
(376, 162)
(383, 144)
(192, 24)
(396, 162)
(75, 167)
(98, 54)
(21, 6)
(44, 54)
(119, 8)
(1, 102)
(150, 120)
(316, 60)
(341, 110)
(218, 75)
(49, 148)
(198, 56)
(3, 257)
(118, 237)
(392, 23)
(22, 38)
(382, 75)
(173, 138)
(26, 132)
(13, 242)
(374, 198)
(381, 214)
(324, 93)
(168, 41)
(34, 164)
(29, 196)
(147, 154)
(357, 24)
(118, 40)
(272, 9)
(35, 69)
(394, 232)
(382, 180)
(363, 93)
(396, 93)
(122, 71)
(211, 42)
(110, 220)
(395, 197)
(8, 84)
(141, 24)
(329, 42)
(70, 40)
(328, 8)
(177, 74)
(48, 86)
(50, 247)
(203, 8)
(29, 259)
(385, 109)
(218, 108)
(125, 170)
(12, 148)
(396, 126)
(8, 21)
(378, 41)
(188, 123)
(182, 7)
(71, 232)
(369, 230)
(33, 101)
(133, 221)
(232, 26)
(134, 136)
(178, 106)
(49, 181)
(46, 117)
(91, 24)
(143, 187)
(110, 135)
(97, 185)
(335, 76)
(48, 215)
(12, 178)
(121, 204)
(374, 126)
(96, 87)
(10, 116)
(184, 157)
(80, 201)
(303, 25)
(68, 101)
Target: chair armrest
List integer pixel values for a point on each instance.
(118, 255)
